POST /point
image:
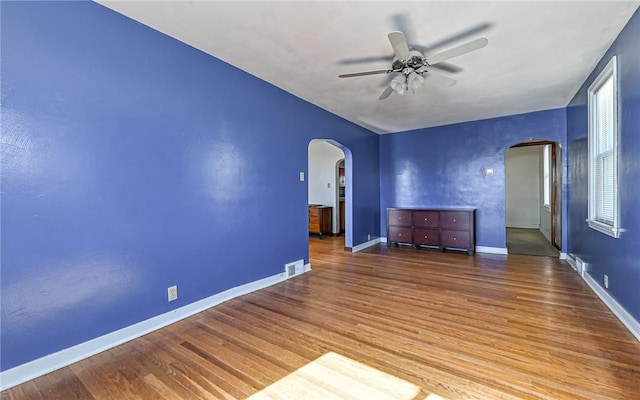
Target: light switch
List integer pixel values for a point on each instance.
(301, 176)
(489, 171)
(329, 184)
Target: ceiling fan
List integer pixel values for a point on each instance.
(413, 67)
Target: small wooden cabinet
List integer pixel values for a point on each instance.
(441, 228)
(320, 219)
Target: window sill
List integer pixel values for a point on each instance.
(604, 228)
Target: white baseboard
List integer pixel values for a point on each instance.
(370, 243)
(622, 314)
(491, 250)
(63, 358)
(627, 319)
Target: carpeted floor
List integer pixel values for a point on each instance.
(529, 241)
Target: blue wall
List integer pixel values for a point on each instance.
(617, 258)
(132, 162)
(443, 167)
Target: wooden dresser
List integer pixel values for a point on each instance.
(320, 219)
(452, 228)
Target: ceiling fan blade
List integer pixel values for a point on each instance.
(447, 67)
(399, 44)
(402, 23)
(351, 75)
(458, 51)
(363, 60)
(439, 79)
(387, 92)
(386, 81)
(474, 30)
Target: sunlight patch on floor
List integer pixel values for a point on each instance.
(333, 376)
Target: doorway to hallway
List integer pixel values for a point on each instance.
(533, 195)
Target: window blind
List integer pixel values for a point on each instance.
(604, 157)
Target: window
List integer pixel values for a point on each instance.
(546, 185)
(603, 152)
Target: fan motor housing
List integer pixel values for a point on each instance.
(416, 61)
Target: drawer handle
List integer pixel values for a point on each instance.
(399, 234)
(454, 220)
(426, 237)
(454, 238)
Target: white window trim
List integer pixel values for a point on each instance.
(614, 229)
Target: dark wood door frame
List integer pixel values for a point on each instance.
(553, 181)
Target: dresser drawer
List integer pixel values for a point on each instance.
(426, 219)
(399, 217)
(455, 239)
(454, 220)
(399, 234)
(426, 237)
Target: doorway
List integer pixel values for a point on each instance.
(328, 180)
(533, 198)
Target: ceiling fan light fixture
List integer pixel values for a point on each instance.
(399, 84)
(415, 81)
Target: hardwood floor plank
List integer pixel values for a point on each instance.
(394, 323)
(199, 371)
(63, 385)
(27, 390)
(165, 377)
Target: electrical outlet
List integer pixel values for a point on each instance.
(172, 293)
(606, 281)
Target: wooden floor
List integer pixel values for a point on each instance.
(394, 323)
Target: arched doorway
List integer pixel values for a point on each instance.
(329, 187)
(533, 182)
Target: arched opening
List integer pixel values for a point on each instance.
(329, 191)
(533, 182)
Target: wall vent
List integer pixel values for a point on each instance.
(294, 268)
(581, 266)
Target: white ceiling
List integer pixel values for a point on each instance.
(539, 52)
